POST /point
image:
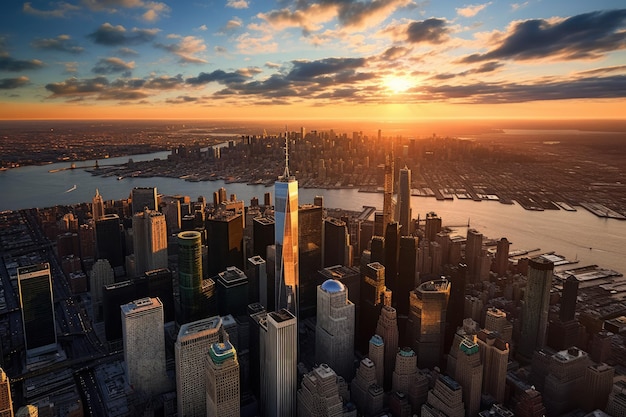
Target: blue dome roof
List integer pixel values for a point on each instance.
(332, 286)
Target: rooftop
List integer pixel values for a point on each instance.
(332, 286)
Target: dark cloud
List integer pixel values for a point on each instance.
(116, 94)
(217, 76)
(182, 100)
(306, 70)
(431, 30)
(127, 52)
(353, 12)
(62, 10)
(62, 43)
(605, 70)
(395, 52)
(582, 36)
(484, 68)
(110, 35)
(74, 87)
(165, 83)
(8, 63)
(112, 65)
(11, 83)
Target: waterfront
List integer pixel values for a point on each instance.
(576, 235)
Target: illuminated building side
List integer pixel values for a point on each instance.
(149, 241)
(97, 206)
(6, 405)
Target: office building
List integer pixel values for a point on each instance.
(473, 252)
(319, 393)
(144, 346)
(388, 204)
(494, 355)
(190, 351)
(372, 290)
(257, 319)
(432, 227)
(334, 332)
(260, 285)
(222, 381)
(190, 276)
(598, 384)
(564, 381)
(406, 275)
(225, 241)
(101, 275)
(404, 201)
(159, 284)
(535, 307)
(496, 321)
(232, 292)
(6, 404)
(97, 206)
(281, 359)
(392, 251)
(446, 397)
(113, 296)
(530, 404)
(170, 207)
(37, 306)
(365, 393)
(405, 371)
(109, 243)
(262, 235)
(457, 274)
(149, 241)
(469, 374)
(350, 277)
(496, 410)
(142, 198)
(387, 328)
(87, 241)
(376, 353)
(567, 311)
(427, 321)
(310, 226)
(336, 243)
(616, 404)
(501, 263)
(287, 249)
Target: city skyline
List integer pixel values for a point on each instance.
(393, 59)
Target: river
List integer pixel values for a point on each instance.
(575, 235)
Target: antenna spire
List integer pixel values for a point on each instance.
(286, 174)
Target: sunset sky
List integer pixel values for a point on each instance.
(240, 59)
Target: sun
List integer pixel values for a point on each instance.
(397, 84)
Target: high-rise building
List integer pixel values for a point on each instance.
(6, 405)
(170, 207)
(372, 290)
(564, 381)
(392, 251)
(473, 251)
(101, 275)
(405, 371)
(190, 276)
(144, 346)
(616, 404)
(336, 243)
(286, 217)
(406, 275)
(190, 351)
(144, 197)
(433, 226)
(535, 307)
(109, 243)
(222, 381)
(388, 209)
(366, 394)
(97, 206)
(496, 321)
(377, 354)
(530, 404)
(257, 273)
(404, 201)
(334, 333)
(501, 264)
(149, 241)
(232, 292)
(37, 305)
(225, 242)
(319, 393)
(469, 374)
(387, 328)
(456, 305)
(159, 283)
(427, 321)
(262, 235)
(113, 296)
(494, 355)
(568, 299)
(377, 249)
(350, 277)
(598, 383)
(257, 319)
(446, 397)
(281, 360)
(309, 257)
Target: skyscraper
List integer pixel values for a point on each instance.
(319, 394)
(144, 197)
(388, 209)
(446, 397)
(376, 353)
(149, 241)
(6, 405)
(535, 307)
(97, 206)
(144, 346)
(502, 257)
(232, 291)
(189, 275)
(334, 333)
(336, 241)
(281, 360)
(469, 374)
(101, 275)
(427, 321)
(494, 354)
(286, 217)
(309, 258)
(222, 381)
(372, 290)
(365, 392)
(191, 348)
(392, 251)
(433, 226)
(225, 242)
(109, 242)
(387, 328)
(36, 301)
(404, 201)
(263, 235)
(473, 251)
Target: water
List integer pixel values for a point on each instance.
(576, 235)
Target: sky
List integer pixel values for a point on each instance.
(308, 59)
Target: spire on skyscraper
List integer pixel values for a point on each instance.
(286, 173)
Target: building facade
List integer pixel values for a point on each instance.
(222, 381)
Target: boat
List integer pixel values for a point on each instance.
(71, 189)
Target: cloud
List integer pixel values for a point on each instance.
(363, 14)
(61, 11)
(250, 72)
(272, 65)
(127, 52)
(61, 43)
(516, 6)
(113, 65)
(12, 83)
(237, 4)
(220, 50)
(203, 28)
(182, 100)
(8, 63)
(217, 76)
(471, 10)
(186, 48)
(605, 70)
(164, 83)
(306, 70)
(484, 68)
(395, 52)
(432, 30)
(584, 36)
(74, 87)
(71, 67)
(231, 26)
(155, 11)
(110, 35)
(249, 44)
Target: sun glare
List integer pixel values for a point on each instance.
(398, 84)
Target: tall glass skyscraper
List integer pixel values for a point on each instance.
(286, 216)
(189, 275)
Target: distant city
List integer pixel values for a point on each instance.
(176, 305)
